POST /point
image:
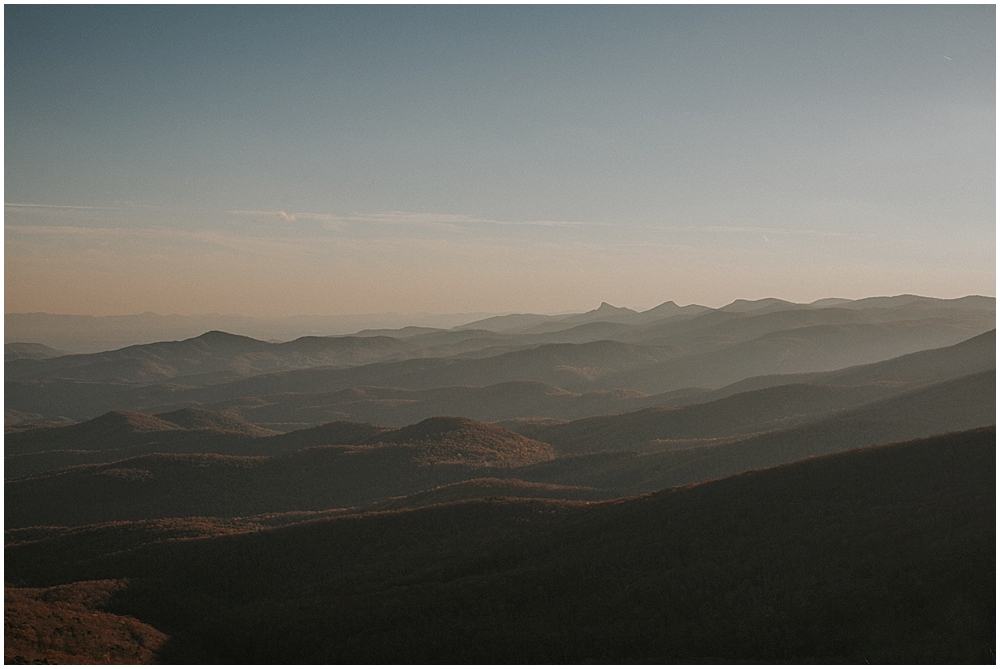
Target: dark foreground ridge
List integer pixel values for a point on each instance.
(883, 555)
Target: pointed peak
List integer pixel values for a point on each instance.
(607, 308)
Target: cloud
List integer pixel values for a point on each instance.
(754, 230)
(290, 218)
(415, 219)
(143, 241)
(447, 222)
(25, 205)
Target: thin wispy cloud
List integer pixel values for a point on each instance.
(145, 240)
(27, 205)
(710, 229)
(449, 221)
(284, 216)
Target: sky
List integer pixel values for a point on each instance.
(278, 160)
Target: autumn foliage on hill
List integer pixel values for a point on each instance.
(63, 625)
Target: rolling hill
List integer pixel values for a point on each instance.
(972, 355)
(772, 402)
(396, 407)
(118, 435)
(385, 463)
(736, 415)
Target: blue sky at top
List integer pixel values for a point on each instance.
(494, 157)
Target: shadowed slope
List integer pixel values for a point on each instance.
(336, 432)
(880, 555)
(806, 349)
(742, 414)
(972, 355)
(490, 488)
(958, 404)
(772, 406)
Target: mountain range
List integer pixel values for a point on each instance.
(711, 349)
(766, 482)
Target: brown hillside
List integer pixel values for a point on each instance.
(447, 440)
(194, 418)
(65, 625)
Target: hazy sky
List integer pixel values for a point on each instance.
(335, 159)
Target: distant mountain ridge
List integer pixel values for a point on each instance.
(708, 351)
(90, 334)
(87, 334)
(211, 352)
(20, 350)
